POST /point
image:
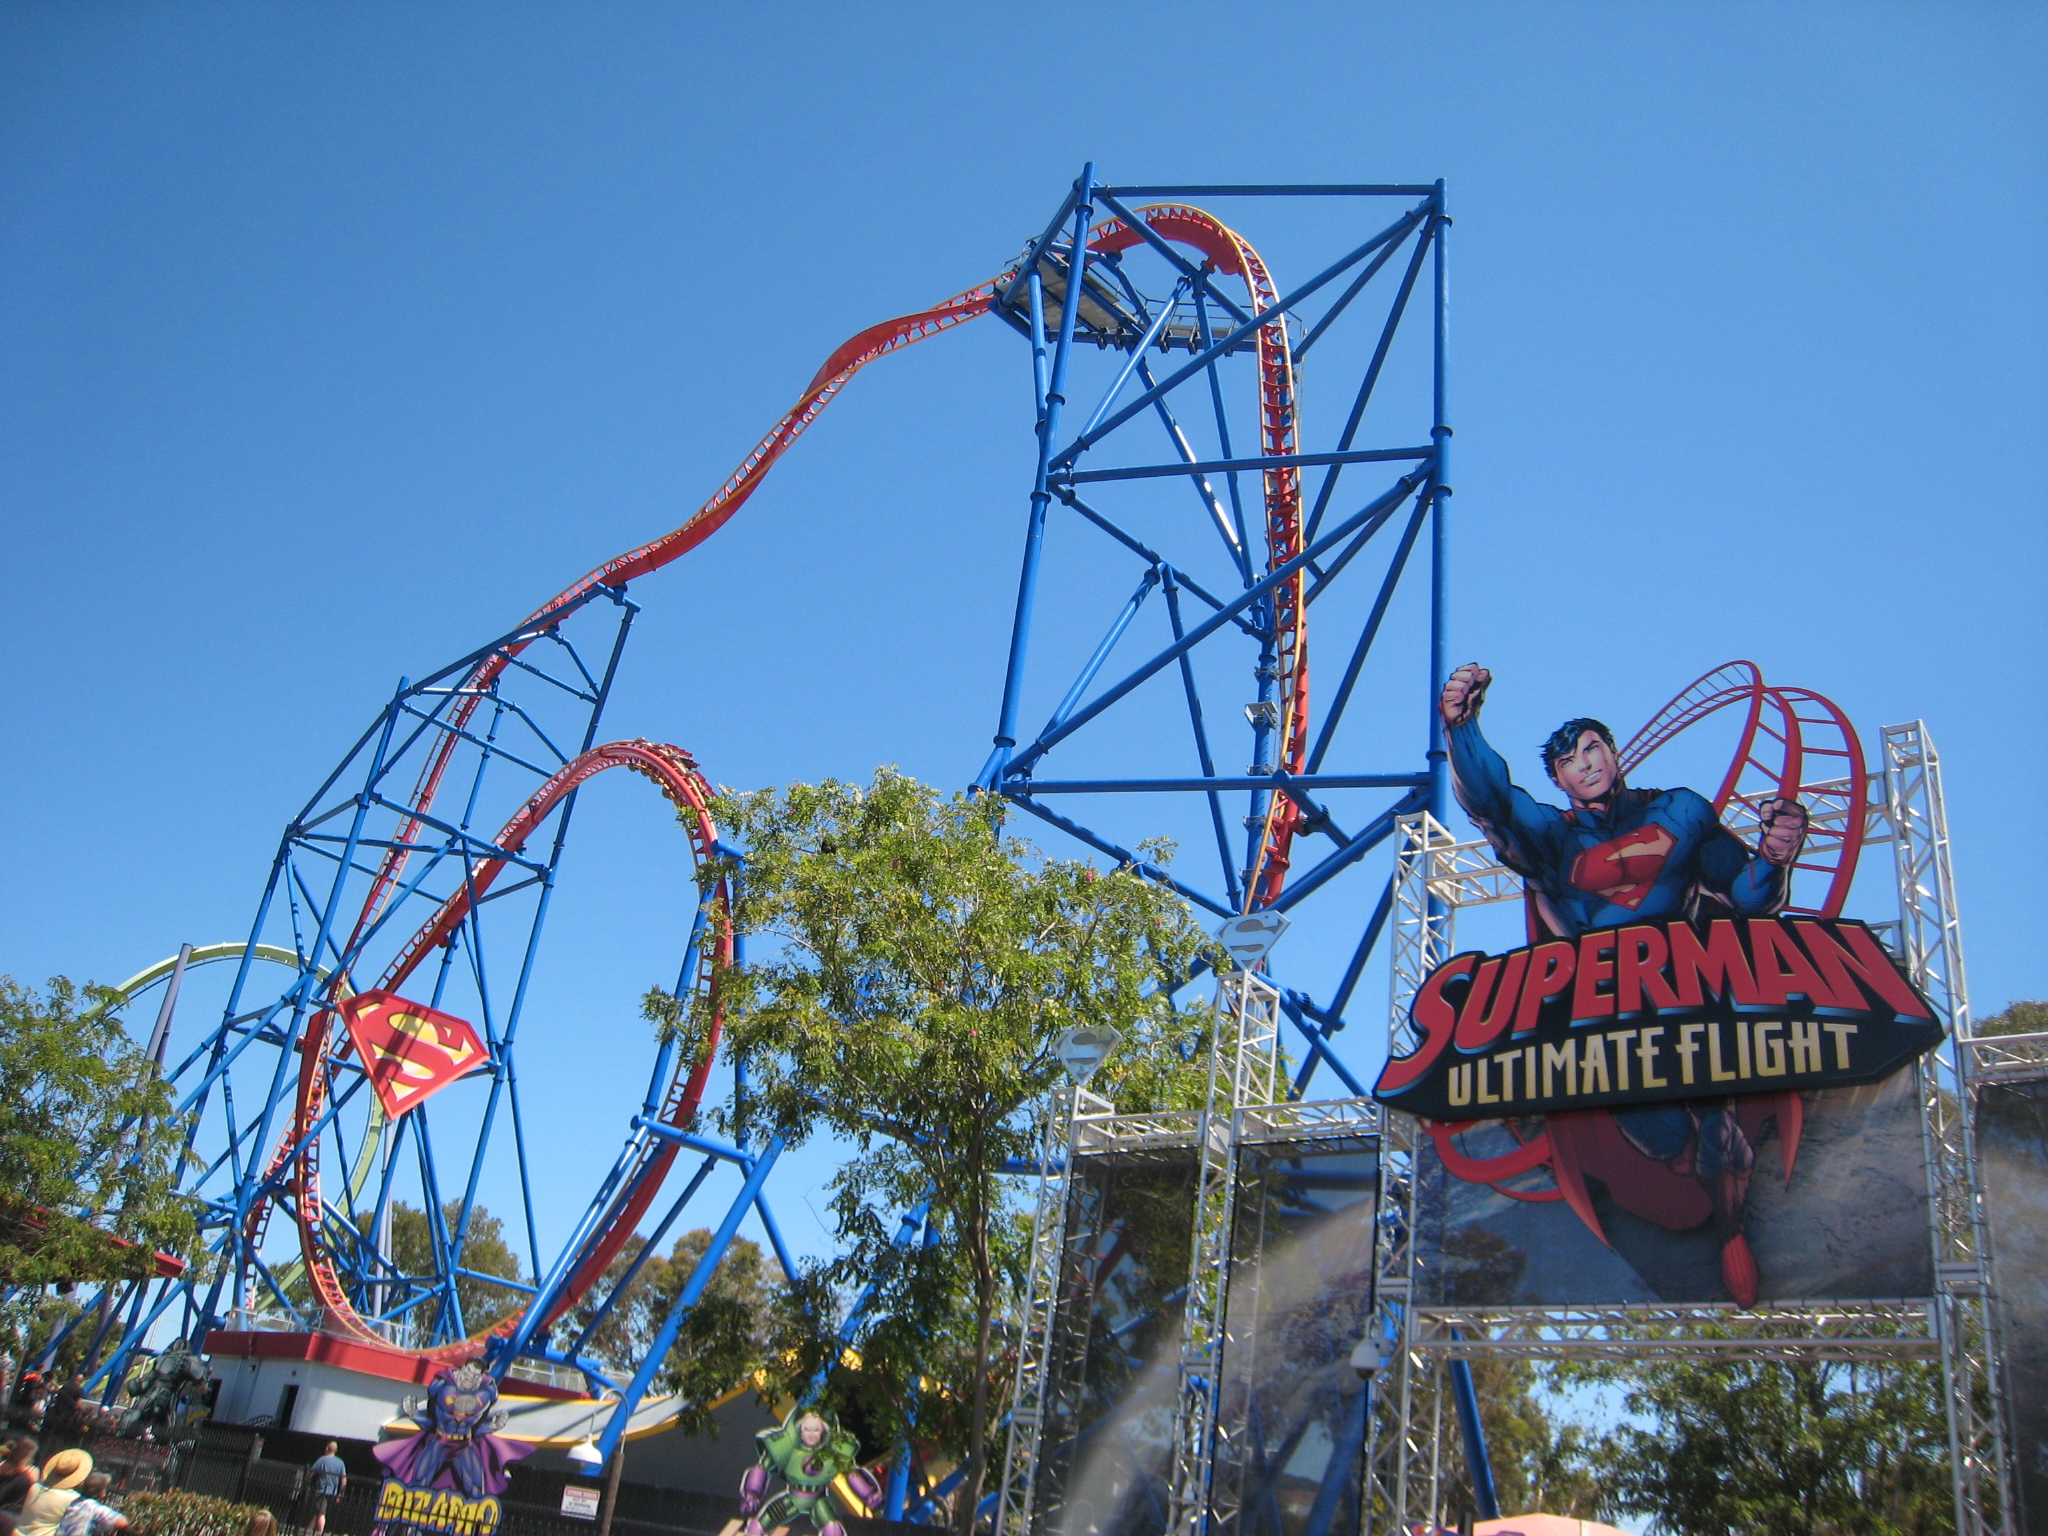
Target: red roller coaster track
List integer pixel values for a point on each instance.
(675, 773)
(673, 770)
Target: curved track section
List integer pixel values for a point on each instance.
(1231, 253)
(852, 356)
(1793, 744)
(1228, 252)
(1278, 437)
(675, 773)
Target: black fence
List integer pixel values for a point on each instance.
(270, 1468)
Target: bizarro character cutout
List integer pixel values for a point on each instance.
(456, 1450)
(1612, 855)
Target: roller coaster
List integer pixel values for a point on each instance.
(1220, 546)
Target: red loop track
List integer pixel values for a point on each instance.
(675, 773)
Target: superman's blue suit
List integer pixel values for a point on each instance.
(1651, 853)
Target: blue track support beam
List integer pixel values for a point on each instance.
(1341, 1471)
(1477, 1462)
(1439, 537)
(1052, 400)
(692, 1293)
(1279, 781)
(1209, 626)
(1228, 466)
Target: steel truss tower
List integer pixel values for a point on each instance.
(1166, 368)
(1410, 1457)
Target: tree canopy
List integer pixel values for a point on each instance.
(88, 1144)
(1773, 1448)
(920, 965)
(724, 1340)
(2027, 1017)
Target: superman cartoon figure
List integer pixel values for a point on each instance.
(1613, 855)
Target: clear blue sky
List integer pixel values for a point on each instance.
(333, 339)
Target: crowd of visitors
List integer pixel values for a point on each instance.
(64, 1497)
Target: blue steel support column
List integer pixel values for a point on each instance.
(1477, 1463)
(693, 1291)
(1439, 493)
(1050, 403)
(1462, 1390)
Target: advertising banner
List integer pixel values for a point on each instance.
(1656, 1011)
(1677, 1090)
(1814, 1196)
(1107, 1450)
(1290, 1415)
(2012, 1159)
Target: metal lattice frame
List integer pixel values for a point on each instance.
(1435, 875)
(1930, 939)
(1243, 1069)
(1039, 1308)
(1240, 1110)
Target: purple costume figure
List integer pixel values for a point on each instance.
(455, 1448)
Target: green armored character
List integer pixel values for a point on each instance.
(820, 1464)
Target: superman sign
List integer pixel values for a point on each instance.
(1658, 1010)
(410, 1051)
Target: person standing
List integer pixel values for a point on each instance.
(55, 1492)
(88, 1514)
(17, 1481)
(64, 1423)
(330, 1476)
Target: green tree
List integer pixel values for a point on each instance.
(1778, 1449)
(1538, 1464)
(88, 1144)
(2029, 1017)
(484, 1252)
(924, 965)
(724, 1339)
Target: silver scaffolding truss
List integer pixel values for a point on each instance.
(1409, 1455)
(1239, 1111)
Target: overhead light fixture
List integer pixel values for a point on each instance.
(586, 1455)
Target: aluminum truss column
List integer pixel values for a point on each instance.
(1402, 1470)
(1930, 939)
(1243, 1070)
(1047, 1265)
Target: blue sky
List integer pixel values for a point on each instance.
(334, 340)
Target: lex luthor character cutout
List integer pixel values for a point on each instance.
(1615, 855)
(824, 1482)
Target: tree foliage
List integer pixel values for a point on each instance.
(485, 1252)
(1777, 1449)
(2027, 1017)
(88, 1143)
(723, 1340)
(922, 966)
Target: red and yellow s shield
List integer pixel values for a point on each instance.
(411, 1051)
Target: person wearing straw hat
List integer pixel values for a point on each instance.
(56, 1492)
